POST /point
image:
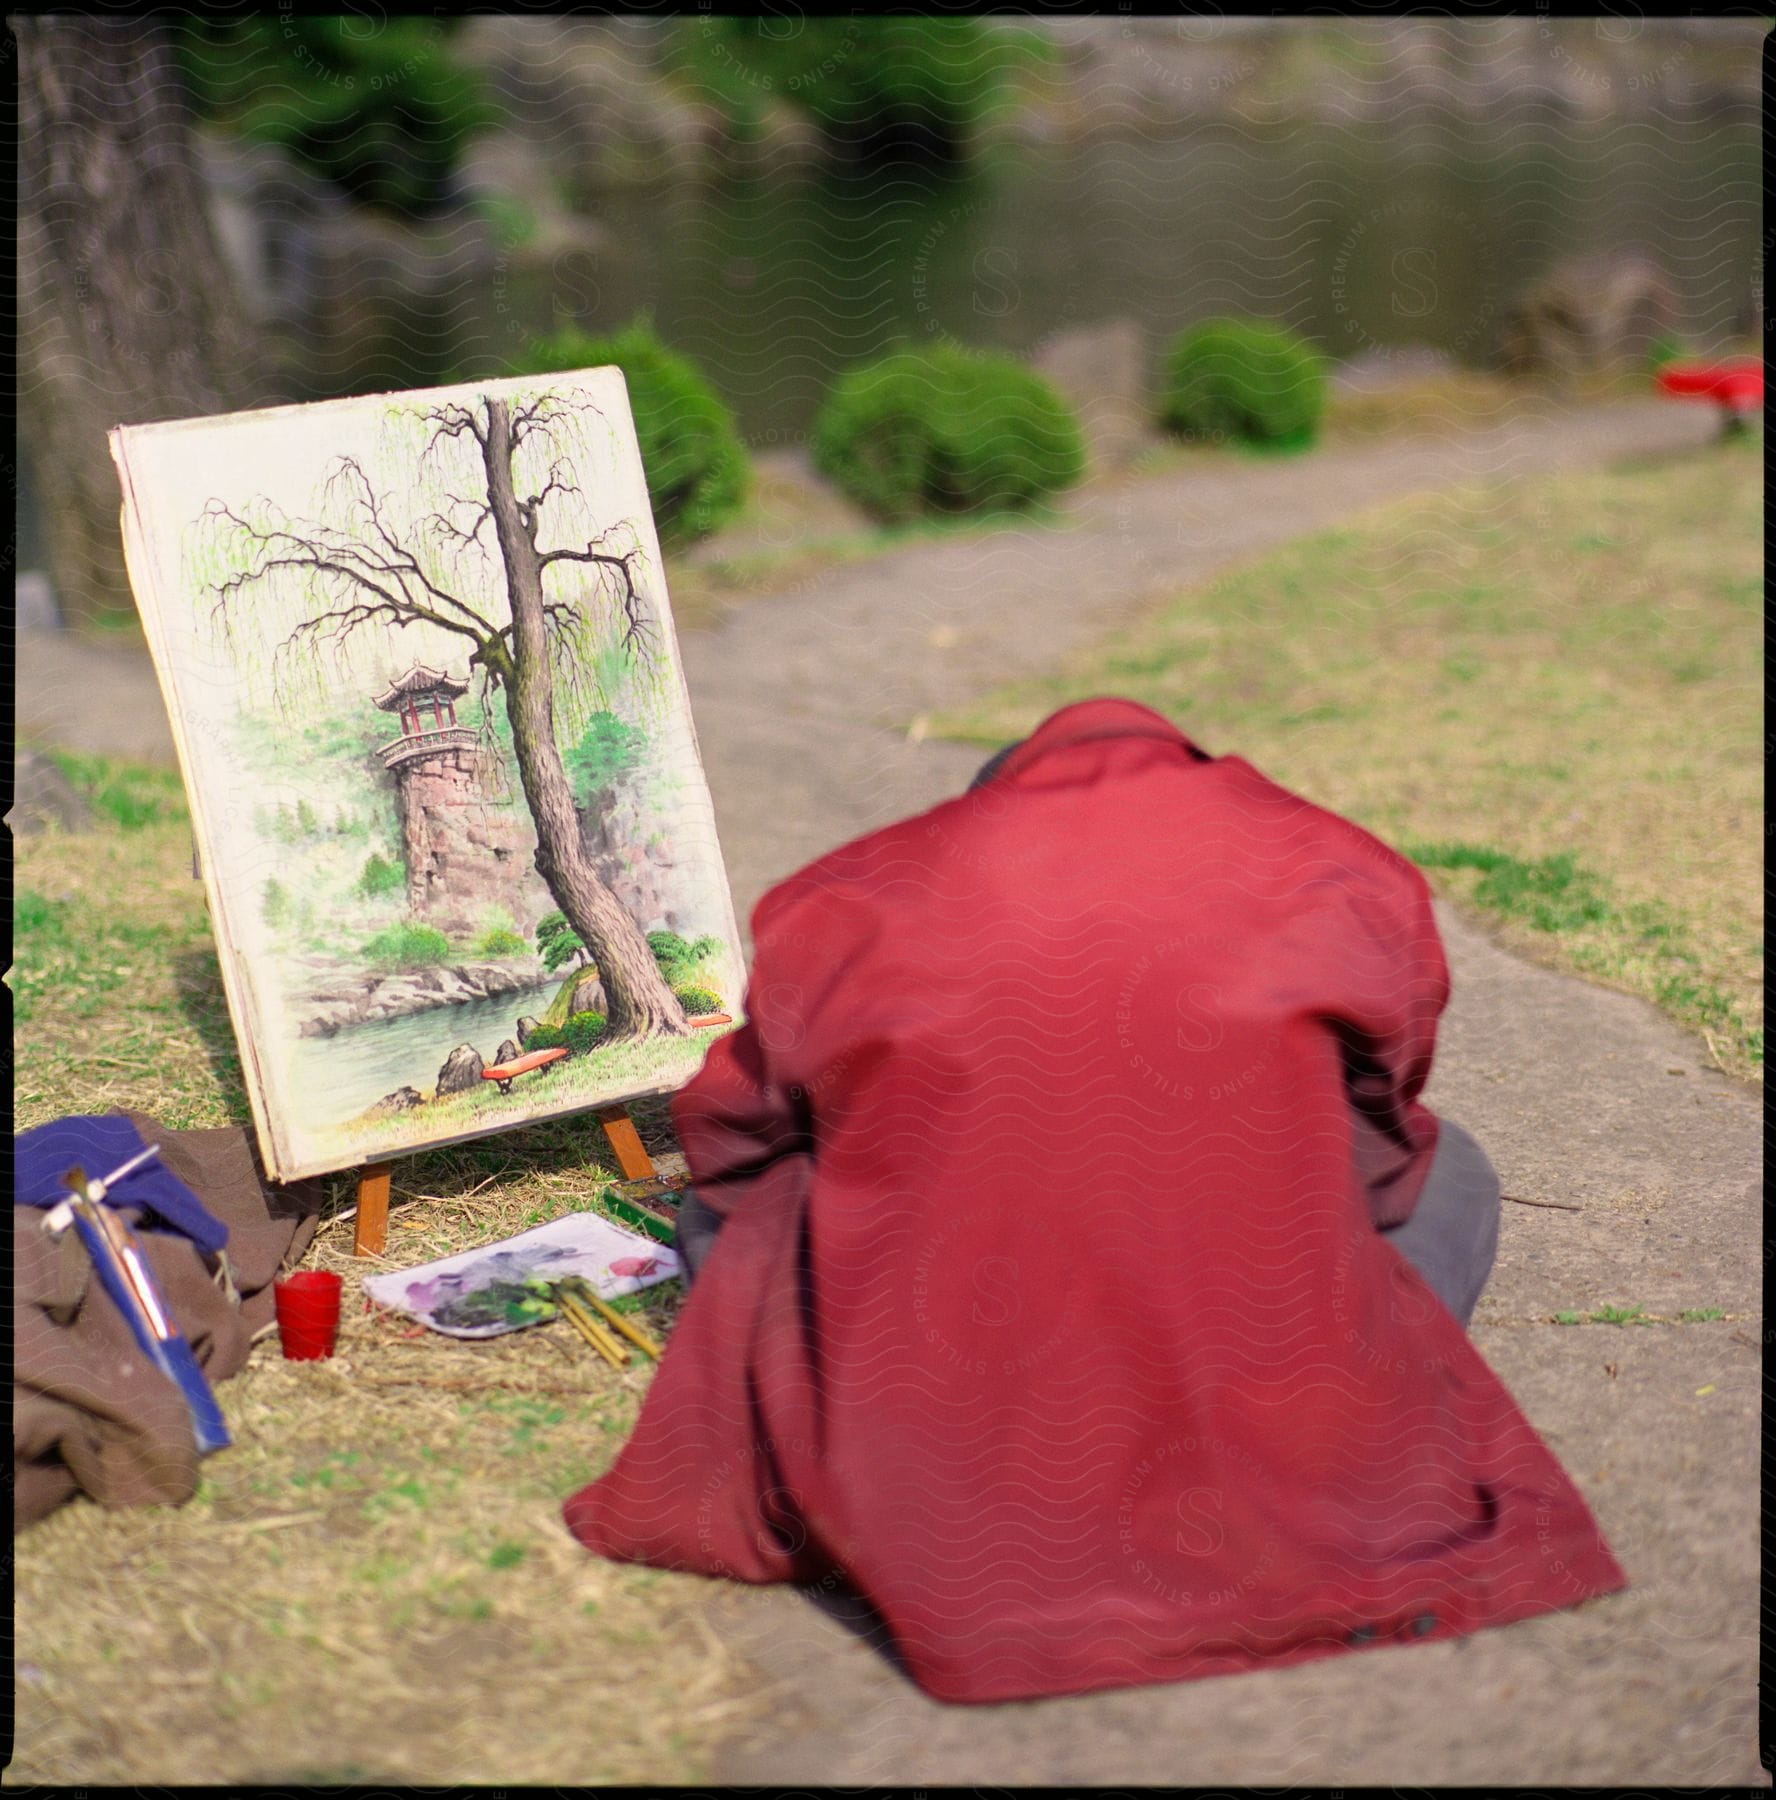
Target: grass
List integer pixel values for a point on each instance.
(122, 794)
(633, 1068)
(1546, 692)
(1637, 1314)
(373, 1584)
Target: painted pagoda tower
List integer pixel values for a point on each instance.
(468, 851)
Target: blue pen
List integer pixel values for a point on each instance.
(123, 1270)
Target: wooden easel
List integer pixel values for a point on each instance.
(370, 1233)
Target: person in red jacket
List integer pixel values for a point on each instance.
(1081, 1280)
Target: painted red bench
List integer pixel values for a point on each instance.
(506, 1073)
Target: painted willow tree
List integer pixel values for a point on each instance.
(572, 612)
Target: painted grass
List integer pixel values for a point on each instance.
(1546, 692)
(632, 1068)
(373, 1584)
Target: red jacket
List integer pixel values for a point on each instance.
(1049, 1310)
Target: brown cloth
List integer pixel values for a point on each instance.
(90, 1412)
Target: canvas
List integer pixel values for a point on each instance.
(448, 805)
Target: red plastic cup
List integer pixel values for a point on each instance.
(308, 1314)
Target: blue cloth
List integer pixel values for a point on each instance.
(99, 1144)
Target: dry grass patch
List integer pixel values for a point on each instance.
(1547, 692)
(374, 1583)
(1455, 400)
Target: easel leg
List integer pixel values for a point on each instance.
(632, 1158)
(370, 1238)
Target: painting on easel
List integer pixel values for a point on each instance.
(456, 839)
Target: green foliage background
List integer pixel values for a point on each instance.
(866, 82)
(379, 105)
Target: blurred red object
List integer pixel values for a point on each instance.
(1736, 383)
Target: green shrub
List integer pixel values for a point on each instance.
(1232, 379)
(579, 1034)
(383, 110)
(407, 946)
(274, 906)
(696, 466)
(380, 876)
(1666, 348)
(946, 429)
(697, 1000)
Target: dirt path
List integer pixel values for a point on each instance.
(802, 702)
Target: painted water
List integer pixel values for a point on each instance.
(354, 1068)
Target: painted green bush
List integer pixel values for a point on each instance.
(696, 466)
(608, 749)
(1232, 378)
(946, 430)
(407, 946)
(380, 876)
(498, 937)
(557, 943)
(697, 1000)
(578, 1035)
(680, 960)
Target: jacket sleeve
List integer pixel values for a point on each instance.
(739, 1119)
(1388, 1035)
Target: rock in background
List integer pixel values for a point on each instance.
(1102, 371)
(1591, 313)
(42, 795)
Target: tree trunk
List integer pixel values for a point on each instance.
(127, 312)
(641, 1004)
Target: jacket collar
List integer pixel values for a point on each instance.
(1092, 721)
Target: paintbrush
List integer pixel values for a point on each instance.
(589, 1328)
(123, 1271)
(585, 1291)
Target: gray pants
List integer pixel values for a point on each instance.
(1450, 1239)
(1453, 1233)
